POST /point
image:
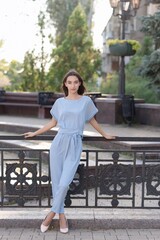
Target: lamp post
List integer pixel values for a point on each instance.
(124, 9)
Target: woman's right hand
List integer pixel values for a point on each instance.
(28, 134)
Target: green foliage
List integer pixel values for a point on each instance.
(30, 76)
(151, 27)
(25, 76)
(42, 57)
(61, 10)
(4, 80)
(3, 63)
(14, 74)
(143, 70)
(150, 68)
(137, 85)
(146, 47)
(76, 51)
(135, 44)
(3, 66)
(30, 73)
(110, 85)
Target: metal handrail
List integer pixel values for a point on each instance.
(85, 138)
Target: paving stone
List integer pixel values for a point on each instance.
(135, 238)
(82, 234)
(133, 232)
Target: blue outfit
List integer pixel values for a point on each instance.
(66, 148)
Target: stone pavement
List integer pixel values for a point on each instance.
(25, 124)
(85, 224)
(80, 234)
(122, 130)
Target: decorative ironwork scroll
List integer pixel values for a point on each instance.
(153, 180)
(22, 180)
(76, 186)
(115, 179)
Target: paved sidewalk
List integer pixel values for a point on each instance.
(13, 124)
(80, 234)
(112, 224)
(122, 130)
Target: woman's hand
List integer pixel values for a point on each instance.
(28, 134)
(52, 123)
(107, 136)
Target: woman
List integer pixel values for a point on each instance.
(70, 113)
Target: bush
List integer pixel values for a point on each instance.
(150, 68)
(110, 85)
(138, 87)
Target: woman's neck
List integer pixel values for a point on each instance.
(73, 96)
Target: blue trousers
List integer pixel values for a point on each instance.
(65, 153)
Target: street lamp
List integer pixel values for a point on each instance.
(124, 9)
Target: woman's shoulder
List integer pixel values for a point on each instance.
(86, 98)
(60, 99)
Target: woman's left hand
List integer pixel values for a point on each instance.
(107, 136)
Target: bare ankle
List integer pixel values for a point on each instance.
(61, 215)
(49, 218)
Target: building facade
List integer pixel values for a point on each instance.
(113, 30)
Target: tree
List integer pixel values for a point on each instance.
(150, 68)
(42, 57)
(30, 73)
(4, 80)
(76, 51)
(142, 72)
(34, 65)
(151, 26)
(60, 11)
(14, 74)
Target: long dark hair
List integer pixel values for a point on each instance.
(73, 72)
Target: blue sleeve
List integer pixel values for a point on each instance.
(54, 111)
(91, 110)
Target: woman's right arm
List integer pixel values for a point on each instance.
(45, 128)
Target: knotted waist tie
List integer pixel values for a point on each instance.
(73, 132)
(75, 143)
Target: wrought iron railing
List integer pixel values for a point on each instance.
(105, 178)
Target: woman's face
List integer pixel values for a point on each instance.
(72, 83)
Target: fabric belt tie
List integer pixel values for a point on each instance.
(70, 131)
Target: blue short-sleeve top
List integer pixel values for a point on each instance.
(73, 114)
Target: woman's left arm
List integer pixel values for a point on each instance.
(95, 124)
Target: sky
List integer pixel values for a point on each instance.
(18, 26)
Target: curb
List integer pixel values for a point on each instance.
(95, 224)
(83, 218)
